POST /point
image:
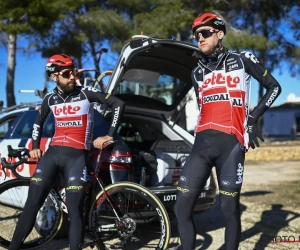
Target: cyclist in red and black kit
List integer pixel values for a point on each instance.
(225, 127)
(72, 107)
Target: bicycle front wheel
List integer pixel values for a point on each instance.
(129, 216)
(13, 195)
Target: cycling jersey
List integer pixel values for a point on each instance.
(73, 114)
(222, 87)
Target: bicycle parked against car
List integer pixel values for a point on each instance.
(124, 214)
(97, 80)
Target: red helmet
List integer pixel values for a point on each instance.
(57, 63)
(209, 19)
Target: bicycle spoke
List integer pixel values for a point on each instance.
(13, 197)
(140, 223)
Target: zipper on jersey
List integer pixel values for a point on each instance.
(213, 72)
(64, 99)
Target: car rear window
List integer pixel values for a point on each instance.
(161, 87)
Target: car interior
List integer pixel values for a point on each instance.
(157, 77)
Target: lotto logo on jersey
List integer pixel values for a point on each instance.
(220, 79)
(65, 110)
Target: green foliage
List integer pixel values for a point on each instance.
(20, 16)
(163, 21)
(244, 40)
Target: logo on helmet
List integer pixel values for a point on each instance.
(50, 68)
(219, 22)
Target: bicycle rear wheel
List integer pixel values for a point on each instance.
(143, 221)
(13, 195)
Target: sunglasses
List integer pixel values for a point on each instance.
(66, 73)
(204, 33)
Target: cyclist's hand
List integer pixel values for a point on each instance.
(252, 129)
(36, 153)
(100, 140)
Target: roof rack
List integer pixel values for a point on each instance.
(19, 106)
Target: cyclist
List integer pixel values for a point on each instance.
(72, 108)
(225, 127)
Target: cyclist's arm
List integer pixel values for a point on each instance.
(195, 76)
(117, 106)
(39, 123)
(273, 88)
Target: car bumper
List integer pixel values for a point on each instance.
(168, 196)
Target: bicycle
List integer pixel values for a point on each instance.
(97, 80)
(119, 215)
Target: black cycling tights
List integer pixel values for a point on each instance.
(71, 163)
(231, 211)
(211, 148)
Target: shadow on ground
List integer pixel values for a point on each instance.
(270, 224)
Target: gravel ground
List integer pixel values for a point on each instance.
(270, 209)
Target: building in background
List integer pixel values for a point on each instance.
(282, 120)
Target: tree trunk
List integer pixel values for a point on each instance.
(11, 65)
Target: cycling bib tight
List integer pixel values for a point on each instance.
(224, 151)
(70, 163)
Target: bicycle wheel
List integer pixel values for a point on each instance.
(13, 195)
(99, 81)
(136, 207)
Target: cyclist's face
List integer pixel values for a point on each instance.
(209, 40)
(65, 80)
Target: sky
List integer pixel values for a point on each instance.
(29, 75)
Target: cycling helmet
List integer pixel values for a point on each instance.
(57, 63)
(209, 19)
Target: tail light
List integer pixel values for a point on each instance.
(120, 157)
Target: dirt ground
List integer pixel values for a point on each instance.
(270, 208)
(270, 205)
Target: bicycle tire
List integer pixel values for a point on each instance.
(14, 188)
(158, 209)
(101, 76)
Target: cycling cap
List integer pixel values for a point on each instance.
(209, 19)
(57, 63)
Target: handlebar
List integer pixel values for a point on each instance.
(22, 154)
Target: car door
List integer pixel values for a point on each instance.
(16, 130)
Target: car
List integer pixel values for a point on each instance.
(152, 76)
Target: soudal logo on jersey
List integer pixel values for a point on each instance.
(223, 97)
(217, 97)
(65, 110)
(116, 117)
(69, 124)
(220, 79)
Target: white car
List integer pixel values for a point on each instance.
(153, 77)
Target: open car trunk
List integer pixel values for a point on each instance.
(154, 75)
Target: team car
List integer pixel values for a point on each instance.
(152, 76)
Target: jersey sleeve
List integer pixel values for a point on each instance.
(195, 77)
(257, 71)
(117, 106)
(39, 123)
